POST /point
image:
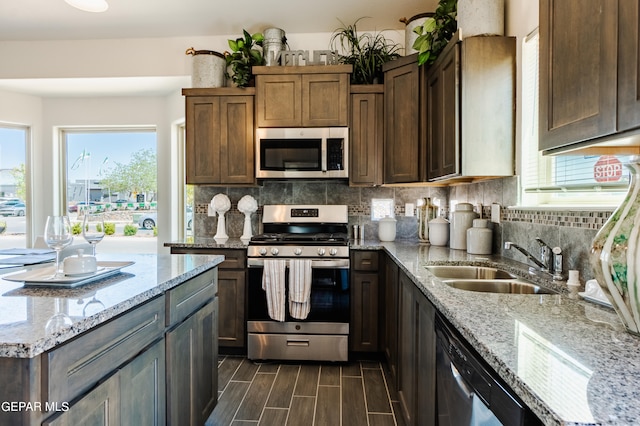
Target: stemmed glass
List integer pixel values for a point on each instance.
(93, 229)
(57, 235)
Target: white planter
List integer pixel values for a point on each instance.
(480, 17)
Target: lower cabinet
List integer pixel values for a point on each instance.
(192, 373)
(365, 287)
(415, 343)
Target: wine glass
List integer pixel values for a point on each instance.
(59, 321)
(93, 229)
(57, 235)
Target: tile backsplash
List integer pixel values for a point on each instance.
(572, 231)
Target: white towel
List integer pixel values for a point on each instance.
(273, 280)
(299, 288)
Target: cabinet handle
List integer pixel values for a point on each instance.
(304, 343)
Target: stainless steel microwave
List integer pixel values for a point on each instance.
(310, 152)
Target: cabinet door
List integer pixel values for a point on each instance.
(401, 151)
(142, 388)
(324, 100)
(407, 326)
(578, 49)
(192, 373)
(443, 115)
(278, 100)
(219, 140)
(100, 407)
(628, 69)
(231, 297)
(425, 412)
(363, 330)
(391, 316)
(367, 139)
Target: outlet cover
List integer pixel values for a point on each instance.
(495, 213)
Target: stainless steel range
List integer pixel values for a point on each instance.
(298, 287)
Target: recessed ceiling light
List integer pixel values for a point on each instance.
(89, 5)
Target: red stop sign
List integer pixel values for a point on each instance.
(607, 169)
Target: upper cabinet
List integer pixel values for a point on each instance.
(367, 135)
(220, 136)
(302, 96)
(588, 76)
(405, 121)
(469, 105)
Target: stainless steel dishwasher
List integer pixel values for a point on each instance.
(470, 393)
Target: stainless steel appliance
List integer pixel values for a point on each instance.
(314, 152)
(469, 392)
(317, 233)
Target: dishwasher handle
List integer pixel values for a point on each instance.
(462, 385)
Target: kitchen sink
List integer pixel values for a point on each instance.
(469, 272)
(498, 286)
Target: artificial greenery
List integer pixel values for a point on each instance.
(366, 52)
(436, 31)
(243, 57)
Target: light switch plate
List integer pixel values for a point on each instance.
(495, 213)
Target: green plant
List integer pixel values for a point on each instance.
(130, 230)
(366, 52)
(436, 31)
(109, 228)
(76, 228)
(244, 57)
(3, 226)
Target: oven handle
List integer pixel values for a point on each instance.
(315, 264)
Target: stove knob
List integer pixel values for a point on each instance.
(333, 252)
(262, 251)
(274, 251)
(321, 252)
(298, 251)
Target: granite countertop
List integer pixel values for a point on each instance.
(571, 361)
(25, 311)
(208, 243)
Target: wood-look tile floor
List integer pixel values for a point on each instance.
(274, 394)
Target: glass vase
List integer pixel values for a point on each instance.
(614, 254)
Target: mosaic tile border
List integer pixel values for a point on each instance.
(571, 219)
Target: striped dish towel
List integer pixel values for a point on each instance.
(273, 280)
(299, 288)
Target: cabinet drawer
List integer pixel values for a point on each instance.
(233, 259)
(365, 260)
(75, 367)
(185, 299)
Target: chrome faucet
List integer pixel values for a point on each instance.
(550, 258)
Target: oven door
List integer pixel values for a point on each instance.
(329, 292)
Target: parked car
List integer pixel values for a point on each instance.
(7, 202)
(149, 220)
(74, 207)
(18, 209)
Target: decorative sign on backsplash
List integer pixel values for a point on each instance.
(303, 57)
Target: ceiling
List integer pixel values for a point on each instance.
(37, 20)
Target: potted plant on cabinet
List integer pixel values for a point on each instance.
(436, 31)
(243, 57)
(366, 52)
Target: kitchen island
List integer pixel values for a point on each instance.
(131, 347)
(569, 360)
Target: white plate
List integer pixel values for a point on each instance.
(43, 277)
(604, 302)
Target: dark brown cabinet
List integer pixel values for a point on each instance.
(365, 287)
(367, 135)
(404, 142)
(220, 136)
(588, 76)
(302, 96)
(469, 105)
(231, 295)
(390, 344)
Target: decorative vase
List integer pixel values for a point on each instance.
(480, 17)
(615, 257)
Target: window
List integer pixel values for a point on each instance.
(114, 171)
(564, 179)
(13, 186)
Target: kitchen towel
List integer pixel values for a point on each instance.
(299, 288)
(273, 283)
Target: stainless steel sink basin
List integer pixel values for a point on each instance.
(469, 272)
(498, 286)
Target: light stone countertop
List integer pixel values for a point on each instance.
(25, 311)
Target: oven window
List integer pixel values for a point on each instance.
(291, 154)
(329, 296)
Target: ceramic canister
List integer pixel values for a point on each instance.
(387, 229)
(439, 231)
(479, 237)
(461, 220)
